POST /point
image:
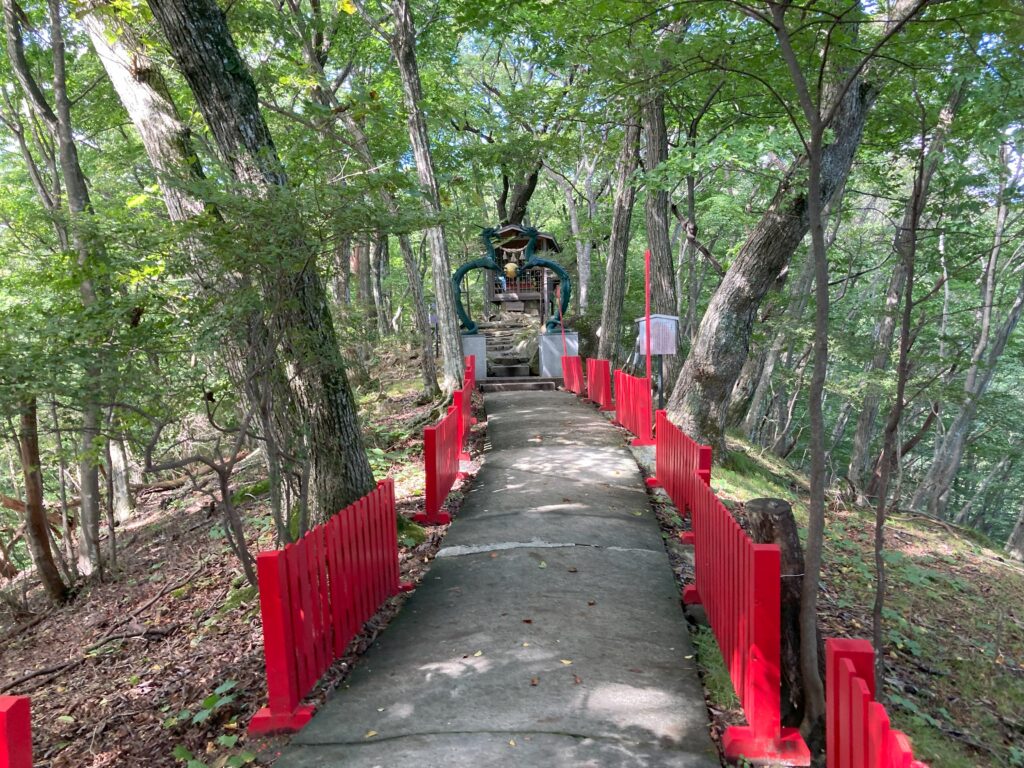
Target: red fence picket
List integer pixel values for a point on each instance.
(738, 582)
(857, 728)
(599, 383)
(315, 596)
(572, 374)
(633, 406)
(15, 732)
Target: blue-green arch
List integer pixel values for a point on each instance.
(490, 262)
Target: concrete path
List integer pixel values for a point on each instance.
(548, 631)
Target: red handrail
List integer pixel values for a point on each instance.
(15, 732)
(441, 448)
(315, 596)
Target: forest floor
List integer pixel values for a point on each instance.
(954, 618)
(163, 666)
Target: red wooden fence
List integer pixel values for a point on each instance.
(15, 732)
(599, 383)
(572, 374)
(315, 596)
(445, 444)
(738, 582)
(633, 406)
(679, 462)
(857, 729)
(442, 444)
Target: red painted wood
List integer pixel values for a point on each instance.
(858, 732)
(572, 374)
(441, 460)
(599, 385)
(15, 732)
(314, 597)
(633, 409)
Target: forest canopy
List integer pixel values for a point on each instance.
(222, 223)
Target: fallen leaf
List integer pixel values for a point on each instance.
(370, 734)
(542, 564)
(494, 554)
(527, 621)
(591, 602)
(526, 645)
(577, 679)
(567, 662)
(479, 653)
(572, 569)
(534, 680)
(511, 742)
(638, 512)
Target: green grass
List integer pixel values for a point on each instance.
(712, 666)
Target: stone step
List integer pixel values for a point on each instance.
(500, 371)
(526, 384)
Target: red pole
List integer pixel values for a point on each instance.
(647, 303)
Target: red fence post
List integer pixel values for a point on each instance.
(861, 657)
(15, 732)
(282, 712)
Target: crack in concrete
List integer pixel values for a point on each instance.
(378, 739)
(459, 550)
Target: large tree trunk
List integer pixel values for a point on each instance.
(122, 501)
(699, 402)
(142, 89)
(403, 46)
(618, 245)
(516, 196)
(663, 273)
(299, 316)
(663, 284)
(37, 533)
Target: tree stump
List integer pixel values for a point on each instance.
(771, 521)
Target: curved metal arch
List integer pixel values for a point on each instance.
(489, 261)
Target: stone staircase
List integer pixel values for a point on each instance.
(511, 355)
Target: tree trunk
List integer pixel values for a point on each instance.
(699, 402)
(123, 503)
(37, 533)
(88, 249)
(142, 89)
(935, 489)
(342, 269)
(885, 328)
(299, 317)
(403, 47)
(618, 245)
(1015, 544)
(381, 254)
(771, 521)
(999, 470)
(663, 284)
